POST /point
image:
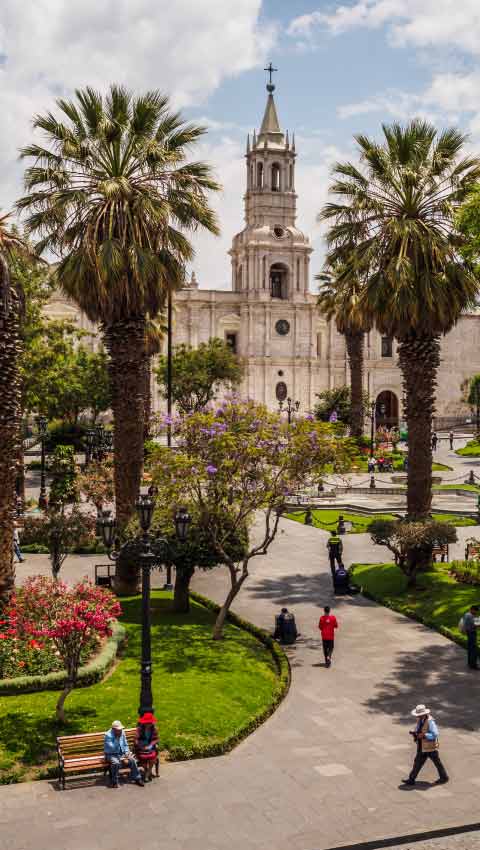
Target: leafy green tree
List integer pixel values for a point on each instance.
(397, 209)
(340, 300)
(337, 399)
(199, 373)
(64, 486)
(412, 543)
(237, 464)
(468, 223)
(111, 192)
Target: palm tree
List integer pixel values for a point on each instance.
(397, 208)
(11, 245)
(112, 194)
(340, 299)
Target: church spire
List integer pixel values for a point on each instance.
(270, 131)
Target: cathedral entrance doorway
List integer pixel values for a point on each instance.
(278, 281)
(387, 410)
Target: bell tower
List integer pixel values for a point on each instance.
(270, 257)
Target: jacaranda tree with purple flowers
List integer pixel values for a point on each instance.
(236, 463)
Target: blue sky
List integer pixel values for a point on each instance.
(344, 67)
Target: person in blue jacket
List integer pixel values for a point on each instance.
(117, 752)
(425, 735)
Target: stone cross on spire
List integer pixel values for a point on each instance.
(270, 70)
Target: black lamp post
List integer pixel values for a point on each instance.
(106, 523)
(373, 405)
(42, 423)
(99, 443)
(291, 408)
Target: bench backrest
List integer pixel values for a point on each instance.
(88, 743)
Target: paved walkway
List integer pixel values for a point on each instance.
(324, 771)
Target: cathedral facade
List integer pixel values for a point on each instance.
(270, 317)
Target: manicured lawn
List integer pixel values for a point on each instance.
(328, 519)
(204, 690)
(441, 467)
(460, 486)
(440, 603)
(472, 449)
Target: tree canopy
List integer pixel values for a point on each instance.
(199, 373)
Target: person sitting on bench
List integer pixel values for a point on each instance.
(341, 582)
(285, 627)
(117, 752)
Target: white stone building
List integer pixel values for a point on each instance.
(270, 316)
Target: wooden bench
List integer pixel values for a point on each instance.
(441, 551)
(472, 551)
(83, 754)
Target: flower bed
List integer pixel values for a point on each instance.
(466, 572)
(27, 649)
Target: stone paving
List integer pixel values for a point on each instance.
(325, 770)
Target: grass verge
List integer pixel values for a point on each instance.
(328, 519)
(439, 601)
(207, 694)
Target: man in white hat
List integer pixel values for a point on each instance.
(117, 752)
(425, 735)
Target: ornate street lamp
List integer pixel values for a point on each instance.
(42, 423)
(106, 525)
(291, 408)
(373, 405)
(90, 441)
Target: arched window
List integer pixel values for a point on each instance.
(275, 177)
(259, 175)
(278, 281)
(281, 391)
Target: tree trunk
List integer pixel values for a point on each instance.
(9, 440)
(59, 708)
(222, 614)
(355, 343)
(419, 358)
(181, 597)
(147, 401)
(125, 342)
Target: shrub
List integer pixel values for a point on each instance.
(66, 434)
(467, 572)
(62, 468)
(36, 531)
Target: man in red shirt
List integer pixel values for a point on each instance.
(327, 625)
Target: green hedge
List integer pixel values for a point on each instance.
(180, 753)
(467, 572)
(400, 608)
(91, 672)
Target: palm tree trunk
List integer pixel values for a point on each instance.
(355, 342)
(147, 402)
(125, 343)
(9, 440)
(419, 358)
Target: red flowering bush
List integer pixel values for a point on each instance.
(65, 623)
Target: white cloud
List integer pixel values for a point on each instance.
(49, 47)
(422, 23)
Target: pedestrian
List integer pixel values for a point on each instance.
(285, 627)
(341, 581)
(468, 625)
(117, 752)
(434, 442)
(450, 437)
(425, 736)
(335, 550)
(146, 744)
(16, 544)
(327, 625)
(371, 465)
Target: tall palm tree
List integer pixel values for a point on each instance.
(11, 245)
(398, 210)
(112, 194)
(340, 300)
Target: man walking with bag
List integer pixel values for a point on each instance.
(468, 625)
(425, 735)
(335, 550)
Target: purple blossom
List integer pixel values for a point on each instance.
(211, 469)
(310, 417)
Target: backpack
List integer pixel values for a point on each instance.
(461, 626)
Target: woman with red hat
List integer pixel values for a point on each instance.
(146, 743)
